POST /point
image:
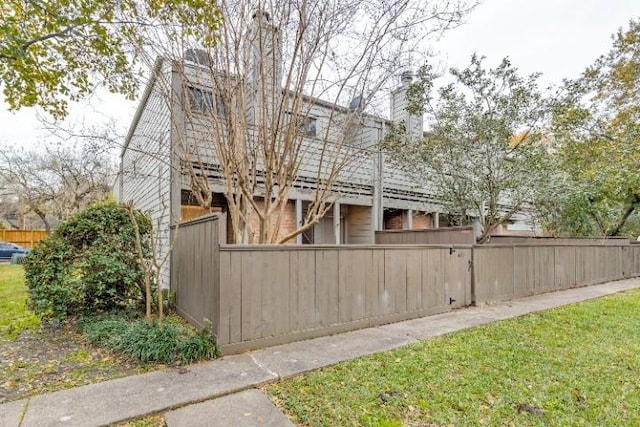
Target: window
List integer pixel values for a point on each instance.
(309, 126)
(203, 101)
(306, 125)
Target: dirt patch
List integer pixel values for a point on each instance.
(54, 359)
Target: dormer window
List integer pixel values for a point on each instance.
(203, 101)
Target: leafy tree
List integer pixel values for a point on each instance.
(55, 51)
(597, 133)
(482, 153)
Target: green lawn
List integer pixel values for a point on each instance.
(14, 316)
(574, 366)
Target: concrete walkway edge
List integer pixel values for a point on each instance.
(118, 400)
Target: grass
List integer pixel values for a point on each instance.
(151, 421)
(15, 318)
(573, 366)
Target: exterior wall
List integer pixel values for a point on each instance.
(358, 153)
(422, 220)
(359, 225)
(145, 167)
(393, 220)
(287, 224)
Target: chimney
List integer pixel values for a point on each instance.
(413, 124)
(406, 78)
(264, 68)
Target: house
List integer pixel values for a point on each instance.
(163, 154)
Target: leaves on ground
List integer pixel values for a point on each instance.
(54, 359)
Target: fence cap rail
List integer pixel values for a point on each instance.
(339, 247)
(549, 245)
(198, 220)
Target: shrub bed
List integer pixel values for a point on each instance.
(149, 341)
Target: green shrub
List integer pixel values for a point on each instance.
(148, 341)
(89, 263)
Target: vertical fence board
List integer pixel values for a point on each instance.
(327, 286)
(251, 294)
(414, 280)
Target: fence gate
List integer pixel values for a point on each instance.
(458, 274)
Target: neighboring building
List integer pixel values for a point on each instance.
(372, 196)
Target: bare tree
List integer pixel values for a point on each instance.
(58, 180)
(280, 99)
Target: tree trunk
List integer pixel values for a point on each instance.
(630, 209)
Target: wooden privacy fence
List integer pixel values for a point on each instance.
(432, 236)
(503, 272)
(25, 238)
(257, 296)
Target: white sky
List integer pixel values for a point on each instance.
(558, 38)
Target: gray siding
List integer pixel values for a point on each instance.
(146, 164)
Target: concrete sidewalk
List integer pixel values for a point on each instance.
(156, 392)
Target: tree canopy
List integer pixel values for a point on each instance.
(52, 52)
(596, 127)
(480, 154)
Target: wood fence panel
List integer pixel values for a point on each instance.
(544, 269)
(493, 273)
(394, 278)
(541, 268)
(564, 267)
(414, 299)
(433, 295)
(457, 274)
(194, 271)
(524, 270)
(250, 296)
(303, 290)
(24, 238)
(377, 286)
(636, 259)
(327, 280)
(432, 236)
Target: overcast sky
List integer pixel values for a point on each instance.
(558, 38)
